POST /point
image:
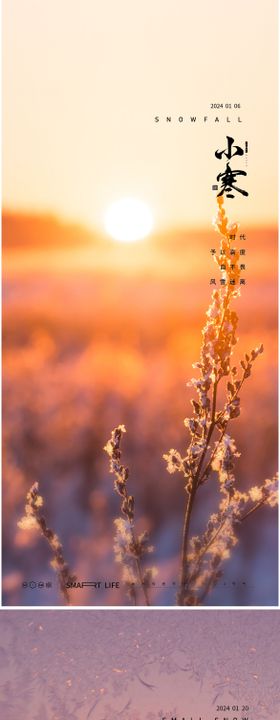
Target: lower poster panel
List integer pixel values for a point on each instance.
(140, 665)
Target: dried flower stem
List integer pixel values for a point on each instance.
(202, 556)
(198, 480)
(129, 548)
(34, 520)
(257, 506)
(135, 546)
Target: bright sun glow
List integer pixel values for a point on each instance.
(128, 220)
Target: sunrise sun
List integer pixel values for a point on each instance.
(128, 220)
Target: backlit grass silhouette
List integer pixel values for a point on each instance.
(211, 450)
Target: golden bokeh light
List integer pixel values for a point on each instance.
(128, 220)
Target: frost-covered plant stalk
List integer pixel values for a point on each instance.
(211, 449)
(33, 519)
(129, 547)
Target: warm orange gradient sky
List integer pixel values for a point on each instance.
(84, 80)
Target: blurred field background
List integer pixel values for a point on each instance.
(97, 333)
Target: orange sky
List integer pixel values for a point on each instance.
(84, 80)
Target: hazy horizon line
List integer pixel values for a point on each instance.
(67, 221)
